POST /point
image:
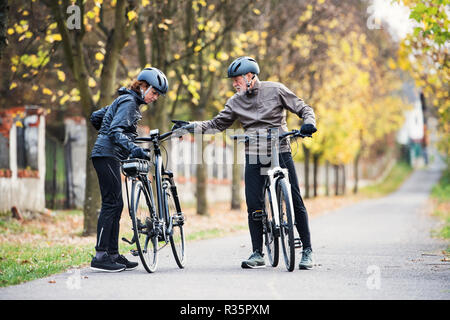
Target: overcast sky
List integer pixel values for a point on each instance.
(395, 15)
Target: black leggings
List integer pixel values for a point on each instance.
(108, 172)
(254, 185)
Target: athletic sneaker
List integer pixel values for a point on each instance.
(256, 260)
(106, 264)
(307, 259)
(130, 265)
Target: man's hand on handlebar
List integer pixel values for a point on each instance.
(308, 129)
(183, 125)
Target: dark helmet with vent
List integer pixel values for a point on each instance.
(155, 78)
(243, 65)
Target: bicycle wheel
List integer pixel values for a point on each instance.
(176, 236)
(270, 237)
(286, 225)
(144, 228)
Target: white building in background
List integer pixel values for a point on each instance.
(411, 135)
(22, 159)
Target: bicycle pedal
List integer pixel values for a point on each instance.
(134, 253)
(257, 215)
(297, 243)
(178, 218)
(128, 241)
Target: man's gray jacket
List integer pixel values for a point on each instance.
(264, 108)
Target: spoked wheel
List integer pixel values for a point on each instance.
(176, 236)
(144, 227)
(270, 237)
(286, 225)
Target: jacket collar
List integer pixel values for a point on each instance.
(137, 97)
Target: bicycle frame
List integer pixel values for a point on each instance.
(160, 184)
(276, 173)
(164, 220)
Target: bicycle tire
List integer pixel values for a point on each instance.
(146, 239)
(176, 236)
(270, 237)
(286, 225)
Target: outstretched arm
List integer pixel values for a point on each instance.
(222, 121)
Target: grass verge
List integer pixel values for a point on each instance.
(398, 174)
(21, 262)
(440, 196)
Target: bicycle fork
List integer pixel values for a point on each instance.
(276, 174)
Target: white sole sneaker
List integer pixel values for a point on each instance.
(105, 270)
(247, 266)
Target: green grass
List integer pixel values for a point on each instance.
(398, 174)
(213, 233)
(25, 262)
(441, 191)
(441, 194)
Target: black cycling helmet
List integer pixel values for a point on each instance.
(155, 78)
(243, 65)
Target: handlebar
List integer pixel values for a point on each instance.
(246, 138)
(153, 136)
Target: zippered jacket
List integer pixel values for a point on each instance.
(264, 108)
(117, 126)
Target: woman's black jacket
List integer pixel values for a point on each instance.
(117, 125)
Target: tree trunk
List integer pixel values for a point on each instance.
(336, 180)
(307, 154)
(202, 183)
(316, 157)
(356, 173)
(236, 181)
(344, 187)
(140, 40)
(73, 46)
(327, 178)
(4, 8)
(92, 196)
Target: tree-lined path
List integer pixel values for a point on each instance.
(374, 249)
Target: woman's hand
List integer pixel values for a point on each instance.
(139, 153)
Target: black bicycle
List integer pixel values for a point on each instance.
(154, 226)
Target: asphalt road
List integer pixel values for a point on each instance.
(375, 249)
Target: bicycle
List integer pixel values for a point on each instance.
(277, 212)
(154, 224)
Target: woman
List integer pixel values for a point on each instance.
(117, 125)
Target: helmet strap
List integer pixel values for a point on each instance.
(249, 91)
(146, 91)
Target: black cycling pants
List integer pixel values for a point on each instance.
(108, 172)
(254, 185)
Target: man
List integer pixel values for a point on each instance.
(260, 105)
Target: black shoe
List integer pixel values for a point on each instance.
(106, 264)
(128, 264)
